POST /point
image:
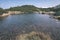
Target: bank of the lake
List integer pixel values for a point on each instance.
(57, 15)
(19, 12)
(11, 13)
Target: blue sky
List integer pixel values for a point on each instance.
(37, 3)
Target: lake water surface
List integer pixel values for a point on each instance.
(16, 24)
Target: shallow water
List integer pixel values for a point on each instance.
(16, 24)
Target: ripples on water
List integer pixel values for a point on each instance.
(13, 25)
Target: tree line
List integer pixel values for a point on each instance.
(28, 8)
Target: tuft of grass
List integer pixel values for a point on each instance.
(34, 36)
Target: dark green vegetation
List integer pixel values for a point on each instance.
(24, 8)
(28, 8)
(57, 13)
(56, 9)
(31, 8)
(2, 11)
(45, 9)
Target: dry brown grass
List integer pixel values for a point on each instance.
(34, 36)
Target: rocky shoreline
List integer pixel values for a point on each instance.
(19, 12)
(10, 13)
(56, 17)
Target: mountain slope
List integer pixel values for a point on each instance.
(24, 8)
